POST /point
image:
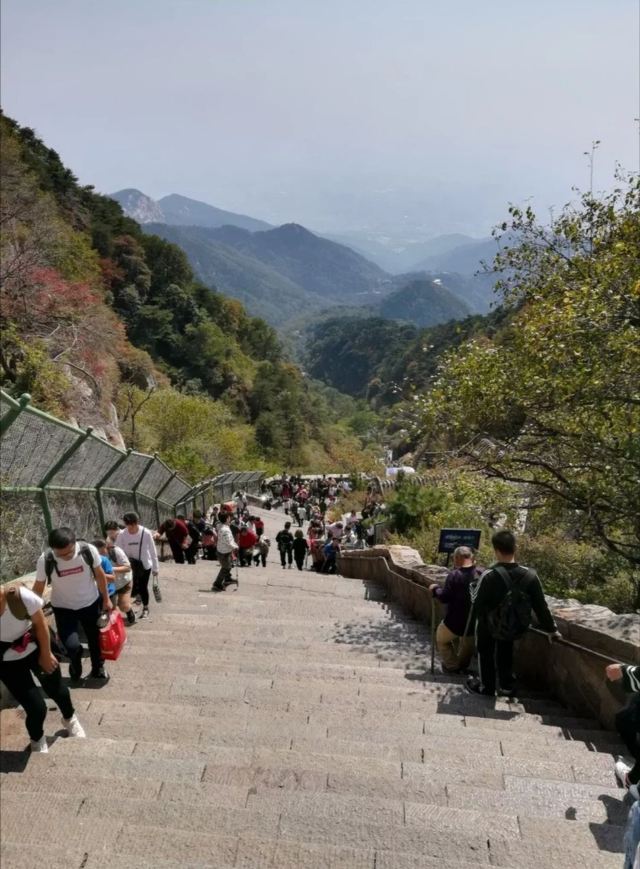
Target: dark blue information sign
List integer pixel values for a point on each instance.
(450, 538)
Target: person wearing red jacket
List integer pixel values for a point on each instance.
(176, 532)
(247, 539)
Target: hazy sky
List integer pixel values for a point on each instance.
(403, 117)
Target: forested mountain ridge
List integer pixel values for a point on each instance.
(265, 292)
(98, 315)
(277, 270)
(384, 361)
(423, 303)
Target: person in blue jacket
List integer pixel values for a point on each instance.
(107, 566)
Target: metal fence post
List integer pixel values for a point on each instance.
(121, 458)
(53, 470)
(16, 409)
(160, 491)
(134, 488)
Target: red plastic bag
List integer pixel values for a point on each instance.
(113, 636)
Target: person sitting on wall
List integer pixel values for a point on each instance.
(454, 637)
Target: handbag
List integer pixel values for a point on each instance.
(209, 539)
(156, 588)
(113, 637)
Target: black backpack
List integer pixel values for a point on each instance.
(50, 563)
(512, 616)
(194, 532)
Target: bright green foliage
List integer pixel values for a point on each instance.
(579, 570)
(26, 367)
(346, 351)
(556, 392)
(197, 436)
(454, 497)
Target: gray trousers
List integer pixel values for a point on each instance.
(224, 560)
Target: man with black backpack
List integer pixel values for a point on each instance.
(503, 601)
(78, 596)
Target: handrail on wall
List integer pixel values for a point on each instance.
(561, 641)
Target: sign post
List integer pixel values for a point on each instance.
(451, 538)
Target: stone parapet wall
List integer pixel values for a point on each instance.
(574, 676)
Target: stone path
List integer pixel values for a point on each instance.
(293, 723)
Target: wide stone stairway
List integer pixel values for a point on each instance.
(293, 723)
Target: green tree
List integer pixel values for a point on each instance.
(554, 397)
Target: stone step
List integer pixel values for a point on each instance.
(581, 766)
(25, 855)
(425, 844)
(528, 788)
(169, 827)
(573, 759)
(322, 708)
(295, 724)
(194, 724)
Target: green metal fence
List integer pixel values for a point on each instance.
(53, 474)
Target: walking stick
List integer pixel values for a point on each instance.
(433, 635)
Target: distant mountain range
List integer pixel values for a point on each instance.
(281, 272)
(179, 210)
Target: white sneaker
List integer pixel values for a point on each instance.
(73, 727)
(39, 746)
(622, 771)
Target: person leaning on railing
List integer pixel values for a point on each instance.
(455, 634)
(504, 599)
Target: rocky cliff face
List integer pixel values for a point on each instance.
(139, 206)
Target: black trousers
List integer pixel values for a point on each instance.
(210, 553)
(628, 726)
(286, 555)
(299, 561)
(191, 552)
(245, 555)
(68, 622)
(18, 678)
(177, 551)
(141, 577)
(494, 655)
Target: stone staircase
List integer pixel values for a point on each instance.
(293, 723)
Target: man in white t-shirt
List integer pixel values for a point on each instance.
(78, 596)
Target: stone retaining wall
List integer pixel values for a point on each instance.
(573, 676)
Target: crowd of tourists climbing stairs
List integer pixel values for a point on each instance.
(291, 721)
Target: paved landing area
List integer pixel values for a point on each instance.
(293, 723)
